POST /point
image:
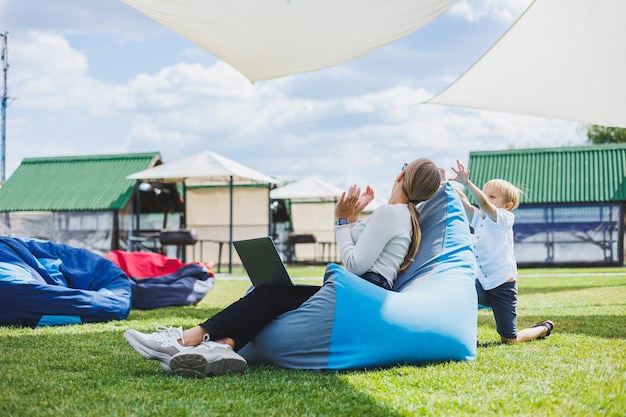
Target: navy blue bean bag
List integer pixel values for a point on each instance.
(187, 286)
(158, 281)
(429, 316)
(44, 283)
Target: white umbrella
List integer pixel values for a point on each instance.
(266, 39)
(206, 168)
(315, 189)
(309, 188)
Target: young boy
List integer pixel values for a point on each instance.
(492, 223)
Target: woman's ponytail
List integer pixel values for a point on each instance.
(416, 237)
(421, 181)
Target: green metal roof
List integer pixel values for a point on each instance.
(583, 174)
(73, 183)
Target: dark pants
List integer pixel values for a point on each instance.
(503, 303)
(376, 279)
(246, 317)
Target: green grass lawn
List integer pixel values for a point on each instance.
(580, 370)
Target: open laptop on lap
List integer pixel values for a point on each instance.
(262, 261)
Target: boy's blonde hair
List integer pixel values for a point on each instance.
(510, 192)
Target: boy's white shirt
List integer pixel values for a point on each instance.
(493, 247)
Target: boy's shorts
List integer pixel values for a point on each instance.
(503, 303)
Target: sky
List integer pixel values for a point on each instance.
(98, 77)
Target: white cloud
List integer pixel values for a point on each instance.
(38, 53)
(184, 82)
(47, 73)
(361, 138)
(500, 10)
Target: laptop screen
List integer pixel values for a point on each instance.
(262, 261)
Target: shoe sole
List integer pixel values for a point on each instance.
(192, 365)
(146, 352)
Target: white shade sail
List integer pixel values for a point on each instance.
(562, 59)
(266, 39)
(205, 168)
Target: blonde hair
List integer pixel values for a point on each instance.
(510, 192)
(421, 182)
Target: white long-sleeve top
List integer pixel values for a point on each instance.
(378, 243)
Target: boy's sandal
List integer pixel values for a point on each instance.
(548, 324)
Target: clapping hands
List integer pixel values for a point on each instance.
(352, 202)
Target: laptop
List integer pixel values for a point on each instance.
(262, 261)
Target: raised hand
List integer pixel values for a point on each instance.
(347, 202)
(364, 200)
(462, 175)
(352, 202)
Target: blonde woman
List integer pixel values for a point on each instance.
(375, 249)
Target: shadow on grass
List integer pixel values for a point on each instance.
(608, 326)
(526, 290)
(169, 315)
(97, 373)
(289, 392)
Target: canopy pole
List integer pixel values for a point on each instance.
(131, 223)
(138, 212)
(183, 222)
(230, 246)
(5, 68)
(269, 211)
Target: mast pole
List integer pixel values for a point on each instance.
(3, 108)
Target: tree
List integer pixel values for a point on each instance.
(605, 134)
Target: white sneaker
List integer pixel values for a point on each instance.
(160, 345)
(208, 358)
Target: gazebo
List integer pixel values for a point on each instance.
(207, 169)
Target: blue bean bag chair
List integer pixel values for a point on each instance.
(429, 316)
(44, 283)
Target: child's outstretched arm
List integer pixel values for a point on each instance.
(462, 176)
(469, 209)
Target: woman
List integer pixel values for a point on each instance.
(375, 249)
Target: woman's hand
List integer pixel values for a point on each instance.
(352, 202)
(365, 198)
